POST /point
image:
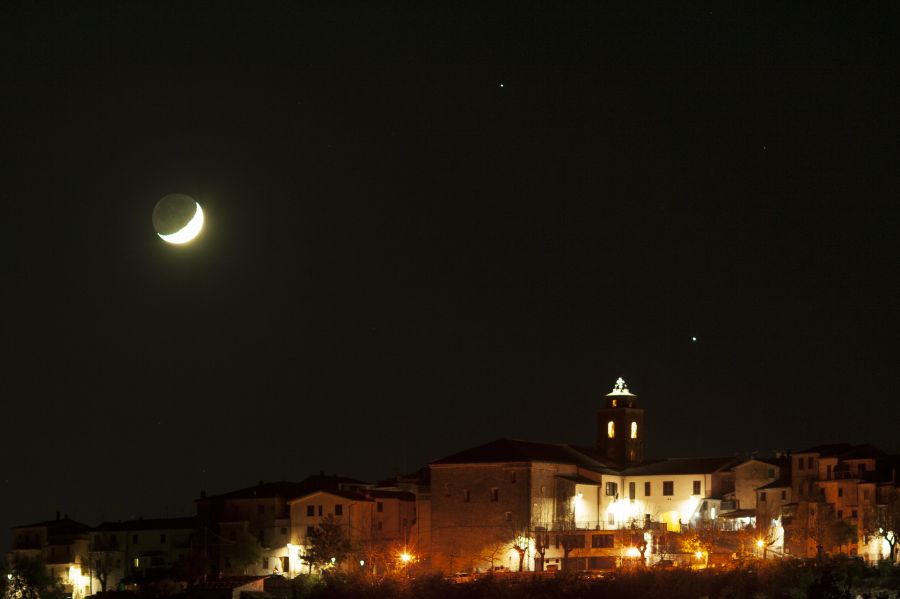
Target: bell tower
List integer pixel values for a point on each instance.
(620, 427)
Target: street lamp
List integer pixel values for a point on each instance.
(406, 558)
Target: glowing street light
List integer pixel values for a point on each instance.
(405, 557)
(699, 555)
(760, 543)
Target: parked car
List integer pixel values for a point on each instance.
(461, 577)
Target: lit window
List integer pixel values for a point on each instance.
(136, 562)
(611, 429)
(634, 430)
(614, 403)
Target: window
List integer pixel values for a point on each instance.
(379, 507)
(495, 495)
(840, 513)
(696, 489)
(309, 531)
(466, 496)
(762, 496)
(770, 473)
(134, 539)
(612, 489)
(799, 463)
(136, 562)
(310, 510)
(378, 525)
(611, 429)
(338, 509)
(576, 541)
(809, 463)
(784, 495)
(508, 516)
(632, 492)
(647, 488)
(162, 539)
(860, 467)
(602, 541)
(265, 563)
(283, 530)
(319, 509)
(260, 509)
(828, 471)
(512, 477)
(611, 518)
(634, 430)
(854, 513)
(840, 492)
(668, 487)
(865, 493)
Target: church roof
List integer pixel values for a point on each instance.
(681, 466)
(512, 450)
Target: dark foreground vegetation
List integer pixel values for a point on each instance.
(794, 580)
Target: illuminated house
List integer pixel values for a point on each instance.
(838, 492)
(262, 514)
(567, 506)
(139, 552)
(61, 544)
(376, 522)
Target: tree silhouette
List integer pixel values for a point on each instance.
(327, 544)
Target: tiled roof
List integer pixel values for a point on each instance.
(288, 489)
(779, 462)
(682, 466)
(781, 483)
(384, 494)
(60, 526)
(828, 449)
(577, 479)
(511, 450)
(351, 495)
(149, 524)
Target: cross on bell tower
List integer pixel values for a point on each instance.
(620, 426)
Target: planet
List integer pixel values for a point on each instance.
(177, 218)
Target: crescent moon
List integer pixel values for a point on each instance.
(187, 232)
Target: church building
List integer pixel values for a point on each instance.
(542, 506)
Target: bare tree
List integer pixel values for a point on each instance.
(884, 523)
(520, 530)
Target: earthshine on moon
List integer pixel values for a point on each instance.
(177, 218)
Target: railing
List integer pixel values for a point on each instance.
(589, 525)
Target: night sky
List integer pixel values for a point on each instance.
(429, 226)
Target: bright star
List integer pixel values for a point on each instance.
(693, 339)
